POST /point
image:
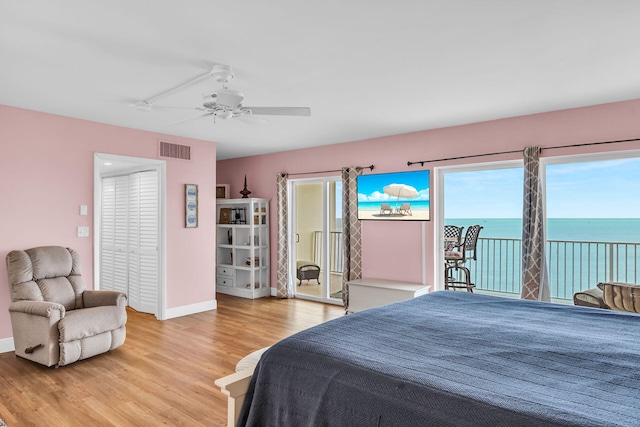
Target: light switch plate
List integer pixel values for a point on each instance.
(83, 231)
(83, 209)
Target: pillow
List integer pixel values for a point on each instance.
(590, 298)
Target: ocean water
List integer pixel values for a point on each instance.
(625, 230)
(572, 267)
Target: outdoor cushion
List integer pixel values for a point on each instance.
(453, 254)
(593, 297)
(621, 296)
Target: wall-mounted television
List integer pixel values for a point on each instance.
(395, 196)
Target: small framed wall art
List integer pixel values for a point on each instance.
(222, 191)
(191, 205)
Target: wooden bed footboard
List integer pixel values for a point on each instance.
(235, 386)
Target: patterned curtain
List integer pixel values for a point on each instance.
(535, 277)
(351, 234)
(282, 264)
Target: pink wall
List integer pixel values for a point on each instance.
(393, 250)
(46, 173)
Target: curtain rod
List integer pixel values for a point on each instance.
(370, 167)
(422, 162)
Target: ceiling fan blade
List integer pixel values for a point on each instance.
(169, 107)
(280, 111)
(185, 84)
(250, 119)
(141, 105)
(147, 106)
(179, 122)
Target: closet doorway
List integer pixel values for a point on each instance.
(129, 230)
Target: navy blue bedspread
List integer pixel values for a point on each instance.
(454, 359)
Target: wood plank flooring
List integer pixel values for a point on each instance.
(162, 375)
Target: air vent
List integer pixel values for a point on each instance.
(176, 151)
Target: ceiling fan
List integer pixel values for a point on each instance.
(223, 103)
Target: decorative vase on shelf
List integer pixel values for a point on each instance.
(245, 192)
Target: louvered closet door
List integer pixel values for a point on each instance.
(114, 231)
(143, 241)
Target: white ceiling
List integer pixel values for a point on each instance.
(367, 68)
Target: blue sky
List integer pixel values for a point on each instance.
(370, 185)
(602, 189)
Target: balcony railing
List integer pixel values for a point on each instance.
(573, 265)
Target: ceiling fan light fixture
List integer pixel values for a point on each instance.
(223, 97)
(224, 114)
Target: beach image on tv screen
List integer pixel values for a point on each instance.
(398, 196)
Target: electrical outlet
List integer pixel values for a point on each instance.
(83, 209)
(83, 231)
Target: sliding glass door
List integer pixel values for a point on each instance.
(592, 221)
(317, 238)
(488, 195)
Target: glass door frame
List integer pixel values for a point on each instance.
(325, 268)
(438, 211)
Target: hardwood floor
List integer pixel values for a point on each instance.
(162, 375)
(312, 288)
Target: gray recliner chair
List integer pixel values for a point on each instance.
(55, 320)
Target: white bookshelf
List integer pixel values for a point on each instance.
(243, 247)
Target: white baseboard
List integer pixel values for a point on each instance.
(6, 345)
(274, 292)
(186, 310)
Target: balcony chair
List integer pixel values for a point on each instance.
(452, 237)
(455, 259)
(621, 296)
(614, 295)
(55, 320)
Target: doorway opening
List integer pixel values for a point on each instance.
(488, 195)
(316, 233)
(129, 223)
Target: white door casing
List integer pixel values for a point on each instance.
(132, 231)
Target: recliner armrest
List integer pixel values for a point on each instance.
(101, 298)
(38, 308)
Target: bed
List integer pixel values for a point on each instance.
(453, 359)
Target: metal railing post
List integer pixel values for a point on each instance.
(611, 262)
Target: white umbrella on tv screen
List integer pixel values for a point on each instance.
(398, 191)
